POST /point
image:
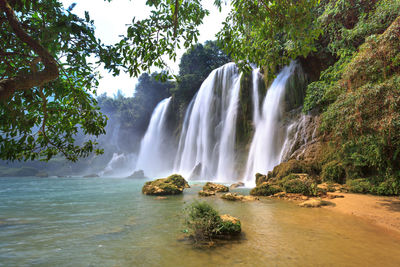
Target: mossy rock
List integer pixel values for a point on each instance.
(261, 178)
(172, 185)
(206, 193)
(333, 172)
(217, 188)
(286, 168)
(265, 189)
(229, 225)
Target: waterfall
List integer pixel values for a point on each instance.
(155, 148)
(265, 149)
(206, 146)
(256, 99)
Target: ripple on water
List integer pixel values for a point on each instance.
(108, 222)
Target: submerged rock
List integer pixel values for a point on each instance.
(92, 175)
(315, 203)
(172, 185)
(237, 197)
(206, 193)
(236, 185)
(217, 188)
(42, 174)
(139, 174)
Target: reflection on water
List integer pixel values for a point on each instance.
(108, 222)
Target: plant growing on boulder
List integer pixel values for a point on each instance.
(204, 223)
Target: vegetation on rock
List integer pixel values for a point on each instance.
(172, 185)
(205, 224)
(217, 188)
(265, 189)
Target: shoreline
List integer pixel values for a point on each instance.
(381, 211)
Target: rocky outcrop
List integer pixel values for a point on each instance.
(172, 185)
(305, 142)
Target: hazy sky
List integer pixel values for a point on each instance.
(110, 20)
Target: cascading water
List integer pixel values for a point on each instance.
(256, 99)
(155, 144)
(265, 150)
(206, 146)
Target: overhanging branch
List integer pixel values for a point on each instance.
(24, 82)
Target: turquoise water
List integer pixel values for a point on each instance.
(108, 222)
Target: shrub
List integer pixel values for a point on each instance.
(202, 220)
(390, 187)
(205, 223)
(362, 186)
(333, 172)
(306, 187)
(228, 227)
(265, 190)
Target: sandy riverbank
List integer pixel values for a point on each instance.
(382, 211)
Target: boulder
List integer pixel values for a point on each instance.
(236, 185)
(206, 193)
(139, 174)
(172, 185)
(217, 188)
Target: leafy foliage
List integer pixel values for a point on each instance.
(345, 25)
(333, 172)
(202, 220)
(171, 25)
(269, 33)
(364, 121)
(43, 121)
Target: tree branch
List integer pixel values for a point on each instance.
(24, 82)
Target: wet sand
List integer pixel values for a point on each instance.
(382, 211)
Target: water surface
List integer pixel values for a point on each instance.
(108, 222)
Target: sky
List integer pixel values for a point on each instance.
(110, 20)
